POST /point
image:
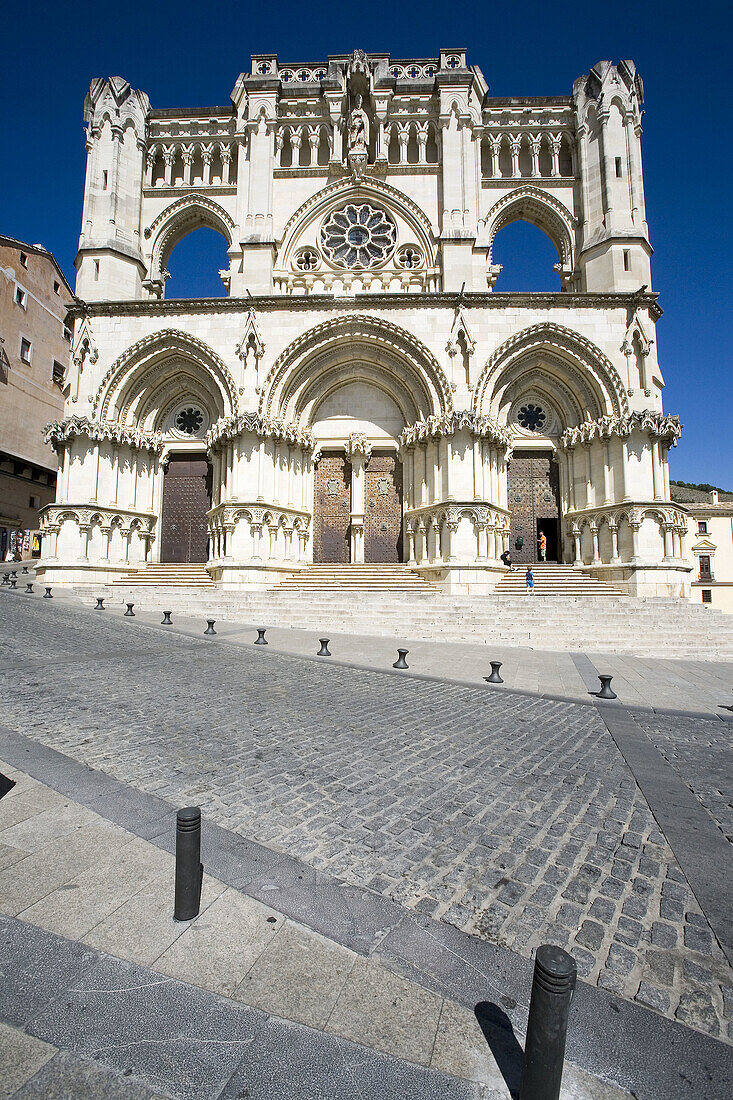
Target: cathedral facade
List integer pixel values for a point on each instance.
(363, 394)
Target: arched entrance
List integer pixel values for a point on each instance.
(357, 508)
(186, 500)
(533, 485)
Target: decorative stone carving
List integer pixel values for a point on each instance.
(434, 427)
(358, 444)
(59, 432)
(655, 424)
(227, 428)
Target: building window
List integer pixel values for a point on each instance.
(67, 333)
(707, 595)
(96, 270)
(59, 373)
(24, 259)
(706, 573)
(619, 171)
(531, 417)
(35, 502)
(25, 350)
(57, 288)
(702, 527)
(627, 260)
(104, 180)
(358, 236)
(21, 298)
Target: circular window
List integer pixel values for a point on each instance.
(532, 417)
(409, 257)
(358, 236)
(189, 420)
(307, 260)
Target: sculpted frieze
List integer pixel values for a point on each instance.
(59, 432)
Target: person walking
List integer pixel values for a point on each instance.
(529, 581)
(542, 543)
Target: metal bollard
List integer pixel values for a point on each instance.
(606, 692)
(166, 620)
(14, 573)
(29, 588)
(324, 651)
(261, 635)
(6, 578)
(47, 594)
(100, 604)
(401, 662)
(189, 868)
(25, 568)
(544, 1051)
(129, 614)
(13, 582)
(210, 626)
(495, 678)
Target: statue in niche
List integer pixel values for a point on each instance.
(358, 129)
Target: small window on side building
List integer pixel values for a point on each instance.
(627, 260)
(21, 298)
(619, 169)
(56, 288)
(707, 595)
(25, 350)
(59, 373)
(35, 502)
(24, 259)
(702, 527)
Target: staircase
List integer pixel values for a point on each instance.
(552, 579)
(356, 578)
(167, 576)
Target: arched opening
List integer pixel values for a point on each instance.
(195, 264)
(527, 257)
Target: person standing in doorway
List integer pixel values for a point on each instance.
(542, 544)
(529, 581)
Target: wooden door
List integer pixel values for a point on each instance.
(533, 490)
(332, 508)
(383, 509)
(186, 500)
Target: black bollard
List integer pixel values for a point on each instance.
(544, 1051)
(129, 614)
(14, 573)
(261, 635)
(606, 691)
(189, 868)
(495, 678)
(13, 582)
(401, 662)
(166, 620)
(47, 594)
(210, 626)
(100, 604)
(324, 651)
(6, 578)
(25, 568)
(29, 588)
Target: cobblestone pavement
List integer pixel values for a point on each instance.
(515, 819)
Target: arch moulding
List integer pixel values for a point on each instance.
(182, 217)
(540, 209)
(369, 332)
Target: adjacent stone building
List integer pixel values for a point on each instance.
(363, 394)
(710, 544)
(34, 359)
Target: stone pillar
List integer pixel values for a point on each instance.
(589, 501)
(256, 529)
(596, 549)
(576, 547)
(656, 470)
(606, 473)
(409, 544)
(555, 142)
(358, 479)
(613, 528)
(476, 468)
(635, 539)
(535, 142)
(515, 144)
(261, 470)
(668, 542)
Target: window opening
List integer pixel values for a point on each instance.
(57, 288)
(104, 180)
(195, 265)
(25, 349)
(527, 257)
(705, 567)
(21, 298)
(619, 171)
(24, 259)
(627, 260)
(58, 374)
(707, 595)
(702, 527)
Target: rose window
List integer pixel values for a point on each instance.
(189, 420)
(531, 417)
(358, 236)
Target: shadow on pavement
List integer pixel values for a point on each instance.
(499, 1034)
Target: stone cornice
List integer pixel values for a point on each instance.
(59, 432)
(655, 424)
(434, 427)
(329, 303)
(231, 427)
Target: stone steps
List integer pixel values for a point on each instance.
(355, 578)
(175, 575)
(554, 579)
(614, 623)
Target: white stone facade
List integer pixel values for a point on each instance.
(359, 201)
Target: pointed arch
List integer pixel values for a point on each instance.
(581, 379)
(145, 379)
(177, 221)
(347, 349)
(540, 209)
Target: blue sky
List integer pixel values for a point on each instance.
(189, 54)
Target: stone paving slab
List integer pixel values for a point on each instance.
(514, 819)
(439, 957)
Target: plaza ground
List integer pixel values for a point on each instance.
(384, 852)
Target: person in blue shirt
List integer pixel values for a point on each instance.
(529, 580)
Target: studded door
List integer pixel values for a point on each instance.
(383, 509)
(186, 500)
(533, 490)
(332, 508)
